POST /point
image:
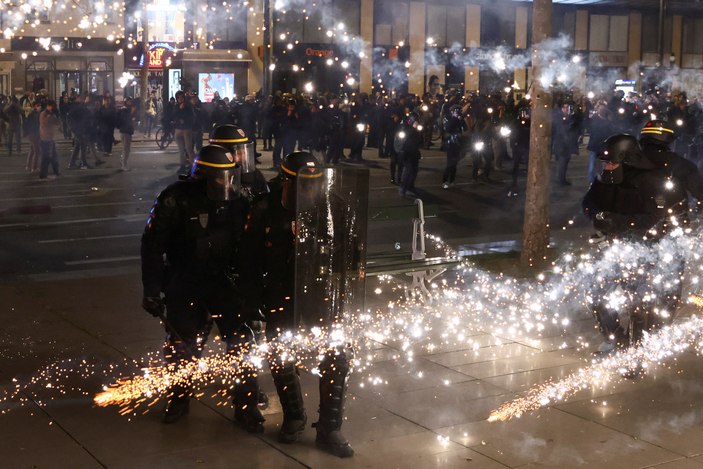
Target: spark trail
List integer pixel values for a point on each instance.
(468, 302)
(655, 349)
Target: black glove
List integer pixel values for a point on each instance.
(609, 222)
(153, 305)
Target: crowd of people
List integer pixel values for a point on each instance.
(491, 131)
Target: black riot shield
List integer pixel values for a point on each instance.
(330, 253)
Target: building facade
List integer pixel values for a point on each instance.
(341, 46)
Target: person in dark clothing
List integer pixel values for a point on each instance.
(520, 141)
(13, 113)
(638, 200)
(564, 140)
(246, 114)
(455, 132)
(199, 118)
(279, 113)
(336, 126)
(268, 280)
(182, 117)
(239, 145)
(31, 130)
(481, 149)
(80, 121)
(189, 250)
(220, 115)
(599, 128)
(319, 128)
(358, 119)
(127, 119)
(290, 124)
(411, 145)
(64, 108)
(395, 152)
(656, 138)
(267, 118)
(106, 120)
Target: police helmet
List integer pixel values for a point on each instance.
(221, 171)
(302, 174)
(624, 149)
(300, 163)
(657, 132)
(236, 141)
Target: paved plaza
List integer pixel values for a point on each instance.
(71, 289)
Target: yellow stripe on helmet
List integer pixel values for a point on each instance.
(229, 140)
(656, 130)
(216, 165)
(302, 175)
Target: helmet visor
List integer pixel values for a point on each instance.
(223, 184)
(245, 156)
(309, 185)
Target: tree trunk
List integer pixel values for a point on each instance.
(535, 230)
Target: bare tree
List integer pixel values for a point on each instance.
(535, 230)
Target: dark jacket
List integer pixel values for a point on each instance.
(182, 117)
(126, 118)
(636, 205)
(199, 238)
(268, 260)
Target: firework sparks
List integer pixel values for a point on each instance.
(654, 349)
(471, 301)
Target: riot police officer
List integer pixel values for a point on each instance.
(269, 285)
(656, 138)
(632, 199)
(242, 148)
(189, 250)
(631, 195)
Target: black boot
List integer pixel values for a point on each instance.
(333, 384)
(178, 404)
(246, 408)
(287, 384)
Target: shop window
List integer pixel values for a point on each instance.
(99, 66)
(437, 24)
(100, 82)
(391, 20)
(69, 64)
(456, 25)
(564, 23)
(68, 82)
(693, 35)
(649, 33)
(446, 25)
(497, 26)
(608, 33)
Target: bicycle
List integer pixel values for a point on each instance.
(164, 137)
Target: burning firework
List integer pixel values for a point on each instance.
(654, 349)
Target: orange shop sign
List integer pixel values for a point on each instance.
(319, 52)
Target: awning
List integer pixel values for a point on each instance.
(216, 55)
